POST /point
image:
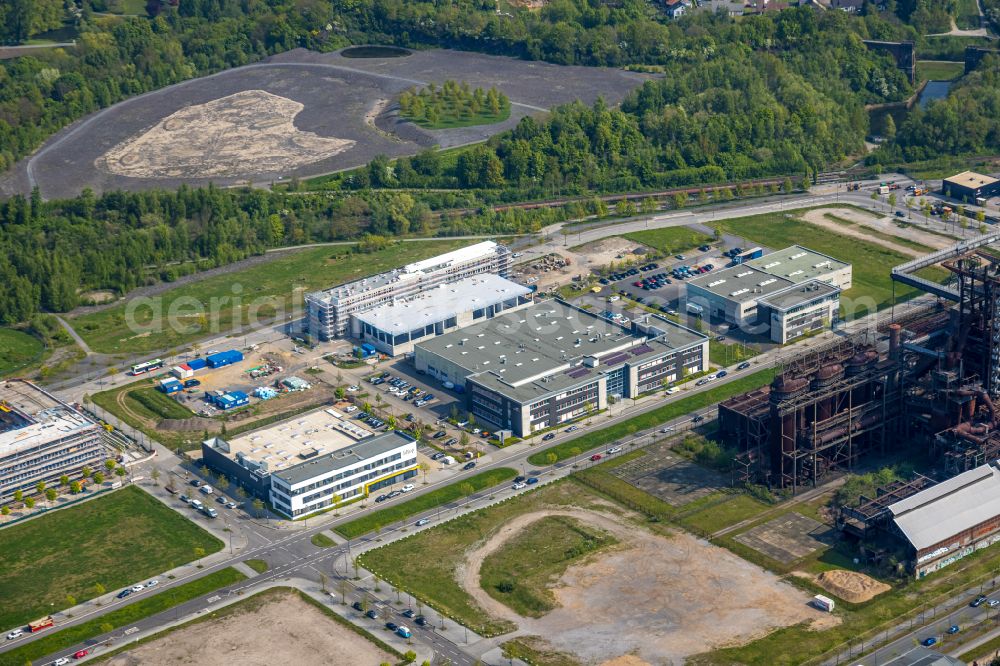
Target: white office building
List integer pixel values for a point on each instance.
(313, 461)
(329, 312)
(43, 439)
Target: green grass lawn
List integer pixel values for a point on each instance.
(424, 563)
(322, 541)
(260, 566)
(156, 403)
(670, 240)
(967, 14)
(114, 540)
(520, 572)
(453, 120)
(376, 520)
(18, 350)
(604, 436)
(721, 513)
(937, 70)
(727, 353)
(122, 617)
(268, 288)
(872, 287)
(139, 416)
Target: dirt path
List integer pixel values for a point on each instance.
(673, 586)
(818, 217)
(468, 573)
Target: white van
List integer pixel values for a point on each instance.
(447, 460)
(207, 489)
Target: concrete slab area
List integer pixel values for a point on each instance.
(664, 474)
(788, 538)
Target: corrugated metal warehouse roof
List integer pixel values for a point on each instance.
(942, 511)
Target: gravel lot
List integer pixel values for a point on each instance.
(657, 599)
(285, 630)
(337, 94)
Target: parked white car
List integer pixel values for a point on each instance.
(350, 409)
(407, 488)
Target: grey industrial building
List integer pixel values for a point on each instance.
(329, 313)
(395, 327)
(43, 438)
(552, 362)
(734, 294)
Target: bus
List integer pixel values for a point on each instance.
(142, 368)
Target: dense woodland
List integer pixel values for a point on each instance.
(780, 94)
(52, 252)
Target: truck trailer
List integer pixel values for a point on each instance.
(42, 623)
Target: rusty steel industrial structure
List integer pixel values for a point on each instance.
(924, 383)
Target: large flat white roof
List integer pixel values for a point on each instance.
(299, 439)
(970, 179)
(32, 417)
(54, 427)
(442, 302)
(412, 271)
(942, 511)
(454, 257)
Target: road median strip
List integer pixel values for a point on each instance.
(454, 491)
(652, 418)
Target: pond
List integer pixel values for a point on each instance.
(932, 91)
(375, 52)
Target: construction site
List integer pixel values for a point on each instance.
(921, 386)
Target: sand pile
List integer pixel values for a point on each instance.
(850, 585)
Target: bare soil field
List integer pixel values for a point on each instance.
(310, 113)
(584, 259)
(655, 599)
(283, 630)
(252, 129)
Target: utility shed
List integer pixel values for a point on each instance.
(952, 519)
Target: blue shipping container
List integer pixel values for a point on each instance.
(368, 347)
(172, 387)
(224, 358)
(196, 363)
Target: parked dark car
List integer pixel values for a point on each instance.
(743, 366)
(408, 613)
(357, 606)
(373, 614)
(421, 620)
(469, 465)
(549, 436)
(531, 481)
(391, 626)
